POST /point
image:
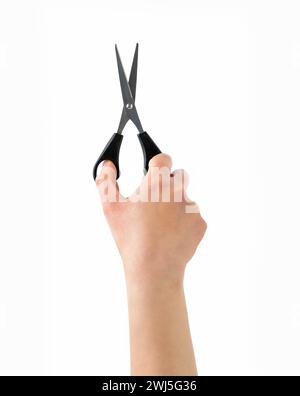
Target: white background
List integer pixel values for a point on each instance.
(218, 89)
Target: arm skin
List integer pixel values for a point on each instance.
(159, 331)
(160, 239)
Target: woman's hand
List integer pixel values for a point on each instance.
(155, 239)
(157, 231)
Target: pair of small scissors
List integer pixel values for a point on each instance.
(112, 149)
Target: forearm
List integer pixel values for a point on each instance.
(160, 340)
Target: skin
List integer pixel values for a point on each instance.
(159, 241)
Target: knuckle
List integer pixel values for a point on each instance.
(165, 157)
(204, 224)
(160, 160)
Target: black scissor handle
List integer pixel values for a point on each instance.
(149, 148)
(112, 150)
(111, 153)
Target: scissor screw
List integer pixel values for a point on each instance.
(129, 106)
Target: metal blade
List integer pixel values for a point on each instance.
(128, 99)
(133, 72)
(123, 121)
(132, 84)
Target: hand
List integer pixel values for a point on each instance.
(156, 235)
(155, 239)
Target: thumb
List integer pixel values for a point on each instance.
(106, 182)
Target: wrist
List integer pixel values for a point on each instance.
(149, 283)
(154, 296)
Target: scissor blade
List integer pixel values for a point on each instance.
(127, 96)
(132, 84)
(126, 92)
(123, 121)
(133, 72)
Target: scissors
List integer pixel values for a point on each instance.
(112, 149)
